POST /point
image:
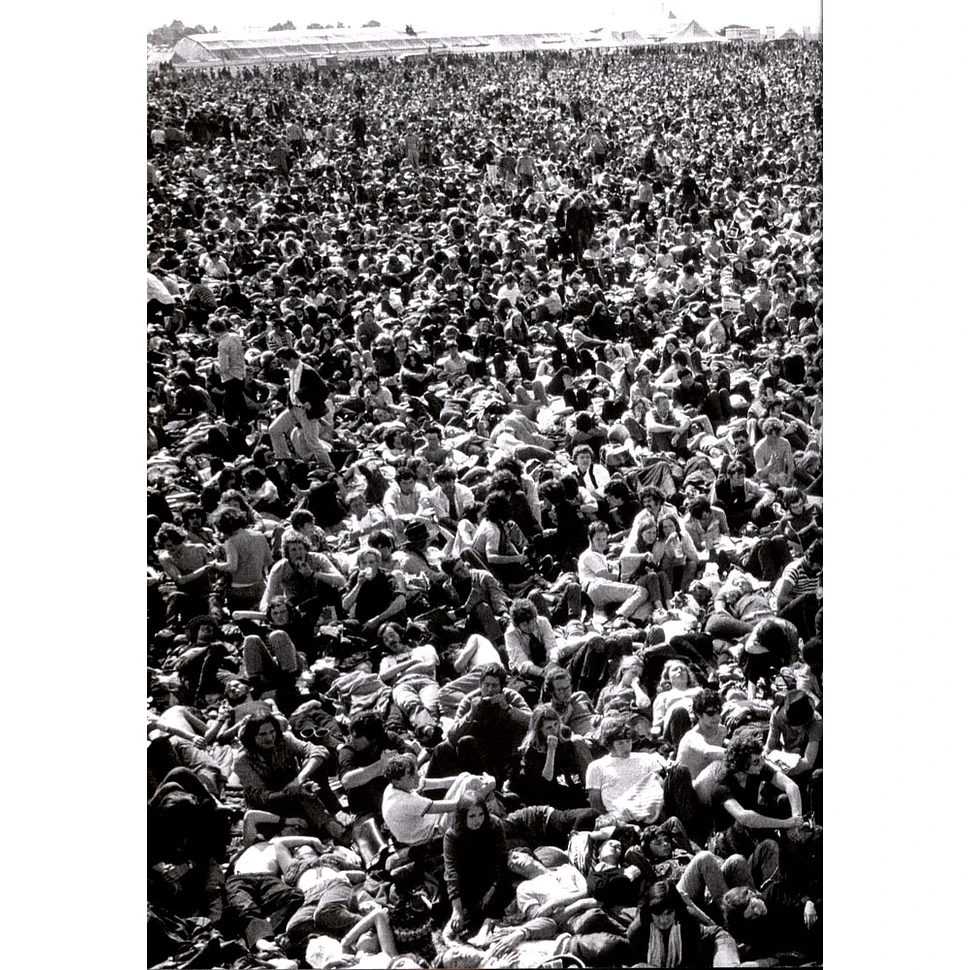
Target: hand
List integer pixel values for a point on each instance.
(811, 917)
(170, 876)
(198, 742)
(552, 743)
(309, 787)
(457, 922)
(501, 701)
(370, 626)
(795, 822)
(508, 943)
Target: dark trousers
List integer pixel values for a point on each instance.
(590, 665)
(768, 558)
(718, 407)
(234, 407)
(262, 904)
(681, 801)
(563, 822)
(801, 611)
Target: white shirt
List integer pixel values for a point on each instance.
(630, 787)
(295, 376)
(554, 884)
(403, 813)
(592, 566)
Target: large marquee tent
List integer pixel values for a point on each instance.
(284, 46)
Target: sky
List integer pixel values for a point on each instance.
(496, 16)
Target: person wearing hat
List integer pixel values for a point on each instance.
(795, 729)
(412, 558)
(279, 334)
(770, 646)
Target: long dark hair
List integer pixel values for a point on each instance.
(662, 896)
(466, 803)
(249, 730)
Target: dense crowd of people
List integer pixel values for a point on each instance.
(485, 512)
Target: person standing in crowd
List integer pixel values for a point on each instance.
(306, 404)
(232, 369)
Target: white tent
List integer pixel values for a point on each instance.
(693, 33)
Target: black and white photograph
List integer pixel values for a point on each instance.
(485, 486)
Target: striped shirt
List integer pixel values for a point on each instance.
(796, 575)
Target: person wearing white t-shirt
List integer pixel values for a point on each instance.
(625, 784)
(601, 581)
(414, 819)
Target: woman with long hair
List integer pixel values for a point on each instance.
(641, 559)
(476, 876)
(674, 701)
(550, 770)
(669, 934)
(624, 691)
(679, 561)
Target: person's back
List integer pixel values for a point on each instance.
(404, 814)
(253, 557)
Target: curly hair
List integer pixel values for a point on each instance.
(740, 750)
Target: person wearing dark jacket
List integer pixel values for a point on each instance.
(475, 873)
(665, 933)
(579, 224)
(306, 404)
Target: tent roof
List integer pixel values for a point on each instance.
(692, 33)
(282, 45)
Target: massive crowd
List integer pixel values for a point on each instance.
(485, 512)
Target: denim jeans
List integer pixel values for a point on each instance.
(418, 699)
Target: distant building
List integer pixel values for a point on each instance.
(740, 32)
